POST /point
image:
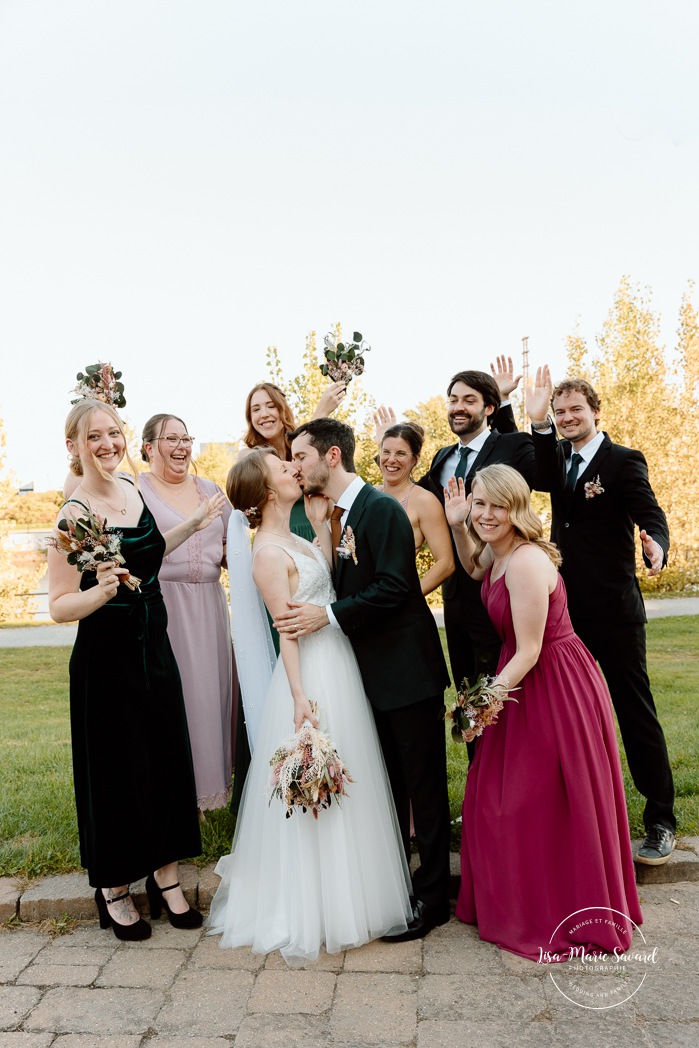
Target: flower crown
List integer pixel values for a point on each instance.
(100, 382)
(344, 360)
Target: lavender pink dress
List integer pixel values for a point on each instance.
(199, 632)
(545, 831)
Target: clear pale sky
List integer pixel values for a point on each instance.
(184, 183)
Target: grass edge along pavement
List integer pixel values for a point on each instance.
(37, 816)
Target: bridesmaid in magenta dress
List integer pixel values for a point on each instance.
(545, 831)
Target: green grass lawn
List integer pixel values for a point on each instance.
(38, 834)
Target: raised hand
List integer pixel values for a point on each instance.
(654, 553)
(504, 374)
(457, 504)
(208, 511)
(538, 395)
(384, 418)
(331, 399)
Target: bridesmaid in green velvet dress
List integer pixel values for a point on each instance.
(134, 784)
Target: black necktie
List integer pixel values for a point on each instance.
(575, 460)
(462, 465)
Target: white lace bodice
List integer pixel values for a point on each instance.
(315, 582)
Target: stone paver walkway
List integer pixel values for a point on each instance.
(179, 990)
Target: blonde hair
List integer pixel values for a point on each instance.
(506, 487)
(248, 484)
(78, 426)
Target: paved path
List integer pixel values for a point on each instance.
(53, 635)
(179, 990)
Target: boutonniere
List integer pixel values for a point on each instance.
(348, 546)
(593, 487)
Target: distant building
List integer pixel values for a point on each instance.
(26, 488)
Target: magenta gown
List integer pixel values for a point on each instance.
(199, 631)
(545, 832)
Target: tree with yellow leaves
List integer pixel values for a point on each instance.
(17, 579)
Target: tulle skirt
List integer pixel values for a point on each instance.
(296, 884)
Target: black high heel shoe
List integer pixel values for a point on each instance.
(126, 932)
(156, 901)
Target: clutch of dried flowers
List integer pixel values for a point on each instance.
(88, 541)
(477, 706)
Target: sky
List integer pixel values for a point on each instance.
(186, 182)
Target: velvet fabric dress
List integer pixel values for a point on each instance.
(545, 830)
(132, 764)
(200, 634)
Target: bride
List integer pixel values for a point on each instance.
(296, 884)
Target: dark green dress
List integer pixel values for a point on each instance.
(132, 765)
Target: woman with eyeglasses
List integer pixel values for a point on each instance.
(198, 625)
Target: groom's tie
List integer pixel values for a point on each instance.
(335, 530)
(462, 465)
(571, 479)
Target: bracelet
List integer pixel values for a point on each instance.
(537, 427)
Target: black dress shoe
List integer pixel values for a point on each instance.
(425, 918)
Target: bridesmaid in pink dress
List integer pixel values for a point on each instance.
(198, 623)
(545, 831)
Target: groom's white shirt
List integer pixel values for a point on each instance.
(345, 500)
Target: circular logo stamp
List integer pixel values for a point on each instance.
(591, 976)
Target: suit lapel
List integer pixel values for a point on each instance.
(353, 518)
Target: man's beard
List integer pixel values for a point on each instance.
(316, 481)
(468, 425)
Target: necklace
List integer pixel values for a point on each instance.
(107, 503)
(279, 534)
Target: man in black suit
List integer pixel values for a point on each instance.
(381, 609)
(474, 399)
(606, 491)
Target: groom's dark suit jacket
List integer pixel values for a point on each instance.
(596, 535)
(381, 609)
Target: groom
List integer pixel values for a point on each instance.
(381, 609)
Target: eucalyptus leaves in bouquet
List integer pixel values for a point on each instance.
(344, 360)
(100, 382)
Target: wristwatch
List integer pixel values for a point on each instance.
(538, 427)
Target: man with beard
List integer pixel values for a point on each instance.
(382, 611)
(604, 493)
(473, 399)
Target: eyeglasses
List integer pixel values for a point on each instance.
(173, 441)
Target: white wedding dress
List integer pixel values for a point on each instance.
(296, 884)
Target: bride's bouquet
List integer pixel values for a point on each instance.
(477, 706)
(307, 772)
(88, 542)
(344, 360)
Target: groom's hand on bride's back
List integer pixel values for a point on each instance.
(301, 619)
